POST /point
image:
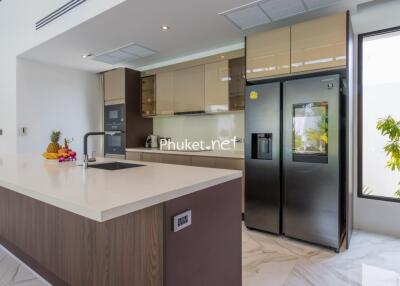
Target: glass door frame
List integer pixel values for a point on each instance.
(361, 38)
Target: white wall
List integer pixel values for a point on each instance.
(373, 215)
(18, 34)
(55, 98)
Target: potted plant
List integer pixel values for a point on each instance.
(390, 127)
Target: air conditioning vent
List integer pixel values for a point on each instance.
(58, 13)
(124, 54)
(263, 12)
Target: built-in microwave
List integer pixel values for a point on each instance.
(114, 117)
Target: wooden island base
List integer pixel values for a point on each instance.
(137, 249)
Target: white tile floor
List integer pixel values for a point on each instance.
(373, 260)
(13, 272)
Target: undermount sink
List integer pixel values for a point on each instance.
(112, 166)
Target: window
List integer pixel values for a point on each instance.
(379, 115)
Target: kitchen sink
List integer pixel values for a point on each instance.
(112, 166)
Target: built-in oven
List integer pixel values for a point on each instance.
(114, 117)
(114, 126)
(114, 143)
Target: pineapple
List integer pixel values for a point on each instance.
(53, 147)
(66, 143)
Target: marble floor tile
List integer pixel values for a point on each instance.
(268, 260)
(13, 272)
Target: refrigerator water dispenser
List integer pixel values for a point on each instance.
(261, 145)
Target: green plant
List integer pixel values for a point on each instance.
(390, 127)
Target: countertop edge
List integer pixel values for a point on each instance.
(136, 206)
(102, 216)
(217, 154)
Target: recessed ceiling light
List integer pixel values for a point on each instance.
(85, 56)
(164, 28)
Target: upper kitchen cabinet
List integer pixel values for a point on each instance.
(165, 93)
(319, 44)
(237, 83)
(188, 86)
(217, 87)
(268, 54)
(114, 86)
(148, 96)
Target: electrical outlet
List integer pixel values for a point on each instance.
(22, 131)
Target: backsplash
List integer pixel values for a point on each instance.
(201, 127)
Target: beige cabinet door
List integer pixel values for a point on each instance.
(319, 44)
(268, 53)
(176, 159)
(134, 156)
(202, 161)
(189, 89)
(114, 85)
(165, 93)
(216, 96)
(151, 157)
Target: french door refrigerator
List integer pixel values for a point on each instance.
(292, 155)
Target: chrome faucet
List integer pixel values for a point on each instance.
(85, 163)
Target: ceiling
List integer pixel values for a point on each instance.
(195, 27)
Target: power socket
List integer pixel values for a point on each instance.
(22, 131)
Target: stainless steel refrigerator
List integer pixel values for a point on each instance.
(292, 169)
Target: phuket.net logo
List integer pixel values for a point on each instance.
(187, 145)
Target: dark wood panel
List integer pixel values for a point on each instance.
(207, 253)
(68, 249)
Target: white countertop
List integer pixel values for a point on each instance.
(234, 154)
(100, 194)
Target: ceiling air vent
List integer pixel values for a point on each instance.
(58, 13)
(127, 53)
(266, 11)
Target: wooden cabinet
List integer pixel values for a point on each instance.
(151, 157)
(175, 159)
(202, 161)
(188, 89)
(237, 83)
(165, 93)
(114, 85)
(319, 44)
(148, 92)
(211, 87)
(229, 163)
(134, 156)
(192, 160)
(217, 87)
(268, 53)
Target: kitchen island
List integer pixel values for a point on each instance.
(124, 227)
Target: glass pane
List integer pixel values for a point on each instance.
(310, 128)
(381, 99)
(113, 114)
